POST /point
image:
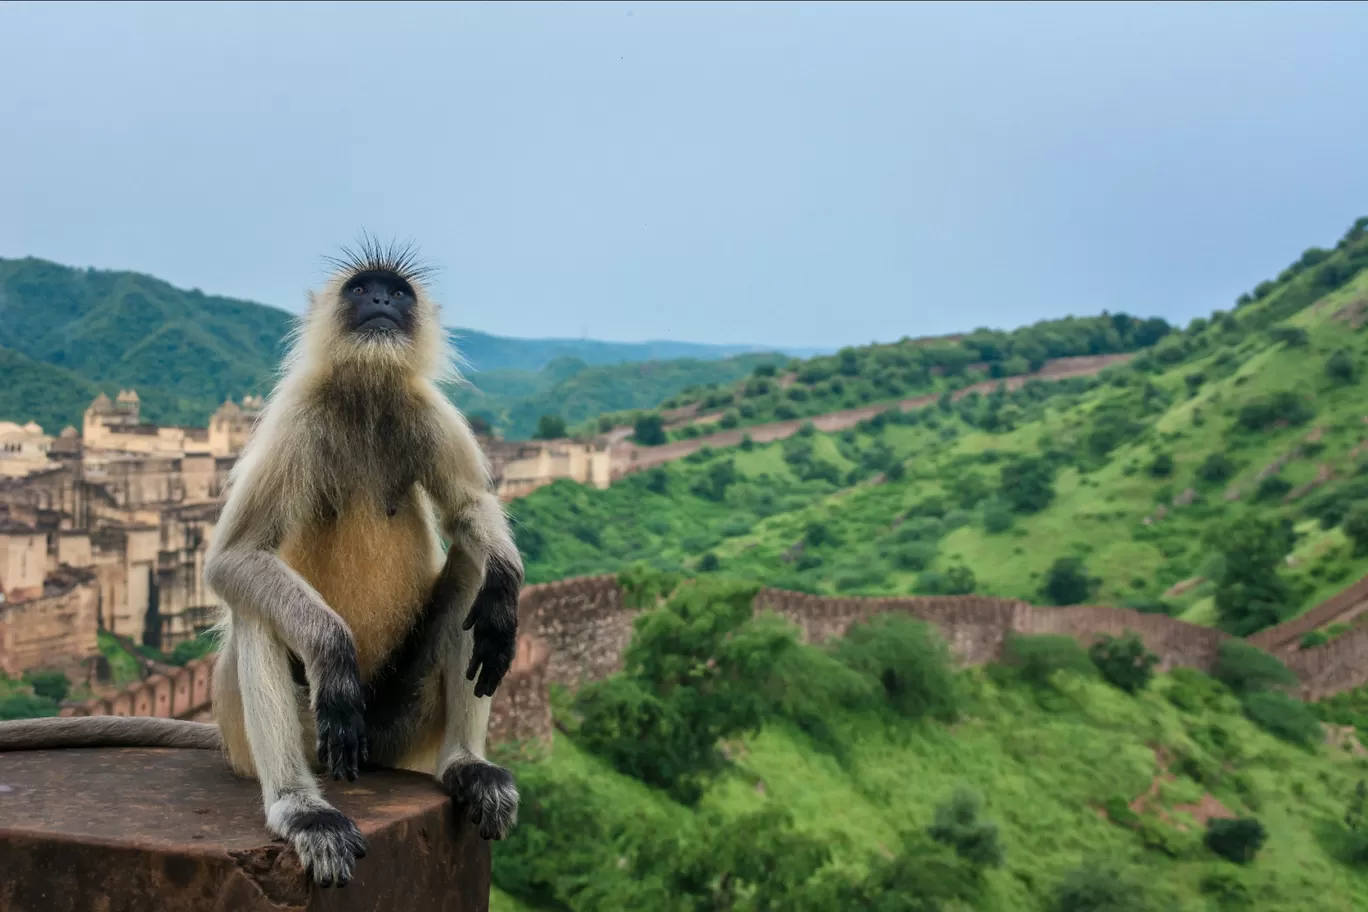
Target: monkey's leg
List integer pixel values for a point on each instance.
(486, 791)
(263, 590)
(327, 842)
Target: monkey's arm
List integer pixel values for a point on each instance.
(474, 522)
(265, 500)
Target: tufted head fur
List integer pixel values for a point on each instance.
(325, 341)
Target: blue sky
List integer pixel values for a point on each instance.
(804, 175)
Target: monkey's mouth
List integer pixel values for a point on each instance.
(380, 323)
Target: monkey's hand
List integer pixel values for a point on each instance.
(493, 620)
(339, 718)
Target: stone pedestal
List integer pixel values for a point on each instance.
(124, 830)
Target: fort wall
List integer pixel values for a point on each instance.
(576, 631)
(56, 630)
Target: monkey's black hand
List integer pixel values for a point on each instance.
(493, 620)
(339, 717)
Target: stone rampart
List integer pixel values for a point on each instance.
(181, 694)
(576, 631)
(1341, 607)
(54, 630)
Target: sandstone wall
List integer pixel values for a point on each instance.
(577, 630)
(183, 694)
(520, 710)
(1333, 667)
(54, 631)
(975, 627)
(584, 624)
(1341, 607)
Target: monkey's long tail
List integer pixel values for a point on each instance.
(106, 731)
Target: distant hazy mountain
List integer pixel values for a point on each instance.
(66, 333)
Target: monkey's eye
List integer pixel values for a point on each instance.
(358, 290)
(398, 293)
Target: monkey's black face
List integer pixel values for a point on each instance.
(378, 304)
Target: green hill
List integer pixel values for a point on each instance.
(859, 376)
(729, 768)
(185, 352)
(1250, 420)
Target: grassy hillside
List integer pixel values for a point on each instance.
(1118, 488)
(858, 376)
(729, 768)
(185, 352)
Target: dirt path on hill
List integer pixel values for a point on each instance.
(630, 457)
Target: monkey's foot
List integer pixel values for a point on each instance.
(488, 794)
(326, 840)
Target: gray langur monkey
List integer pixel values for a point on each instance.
(350, 640)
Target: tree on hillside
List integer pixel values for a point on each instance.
(1251, 594)
(1066, 582)
(1356, 528)
(1027, 484)
(649, 430)
(549, 427)
(1340, 366)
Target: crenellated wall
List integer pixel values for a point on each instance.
(577, 630)
(181, 695)
(975, 627)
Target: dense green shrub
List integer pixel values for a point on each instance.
(959, 824)
(1282, 716)
(1100, 888)
(1066, 582)
(1194, 692)
(1340, 366)
(687, 681)
(27, 706)
(956, 580)
(1027, 485)
(1246, 668)
(1291, 336)
(1216, 468)
(1124, 661)
(713, 484)
(1354, 840)
(1356, 527)
(649, 430)
(1265, 411)
(1226, 889)
(1251, 593)
(50, 685)
(1036, 658)
(914, 555)
(1237, 840)
(1162, 465)
(814, 688)
(910, 661)
(997, 517)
